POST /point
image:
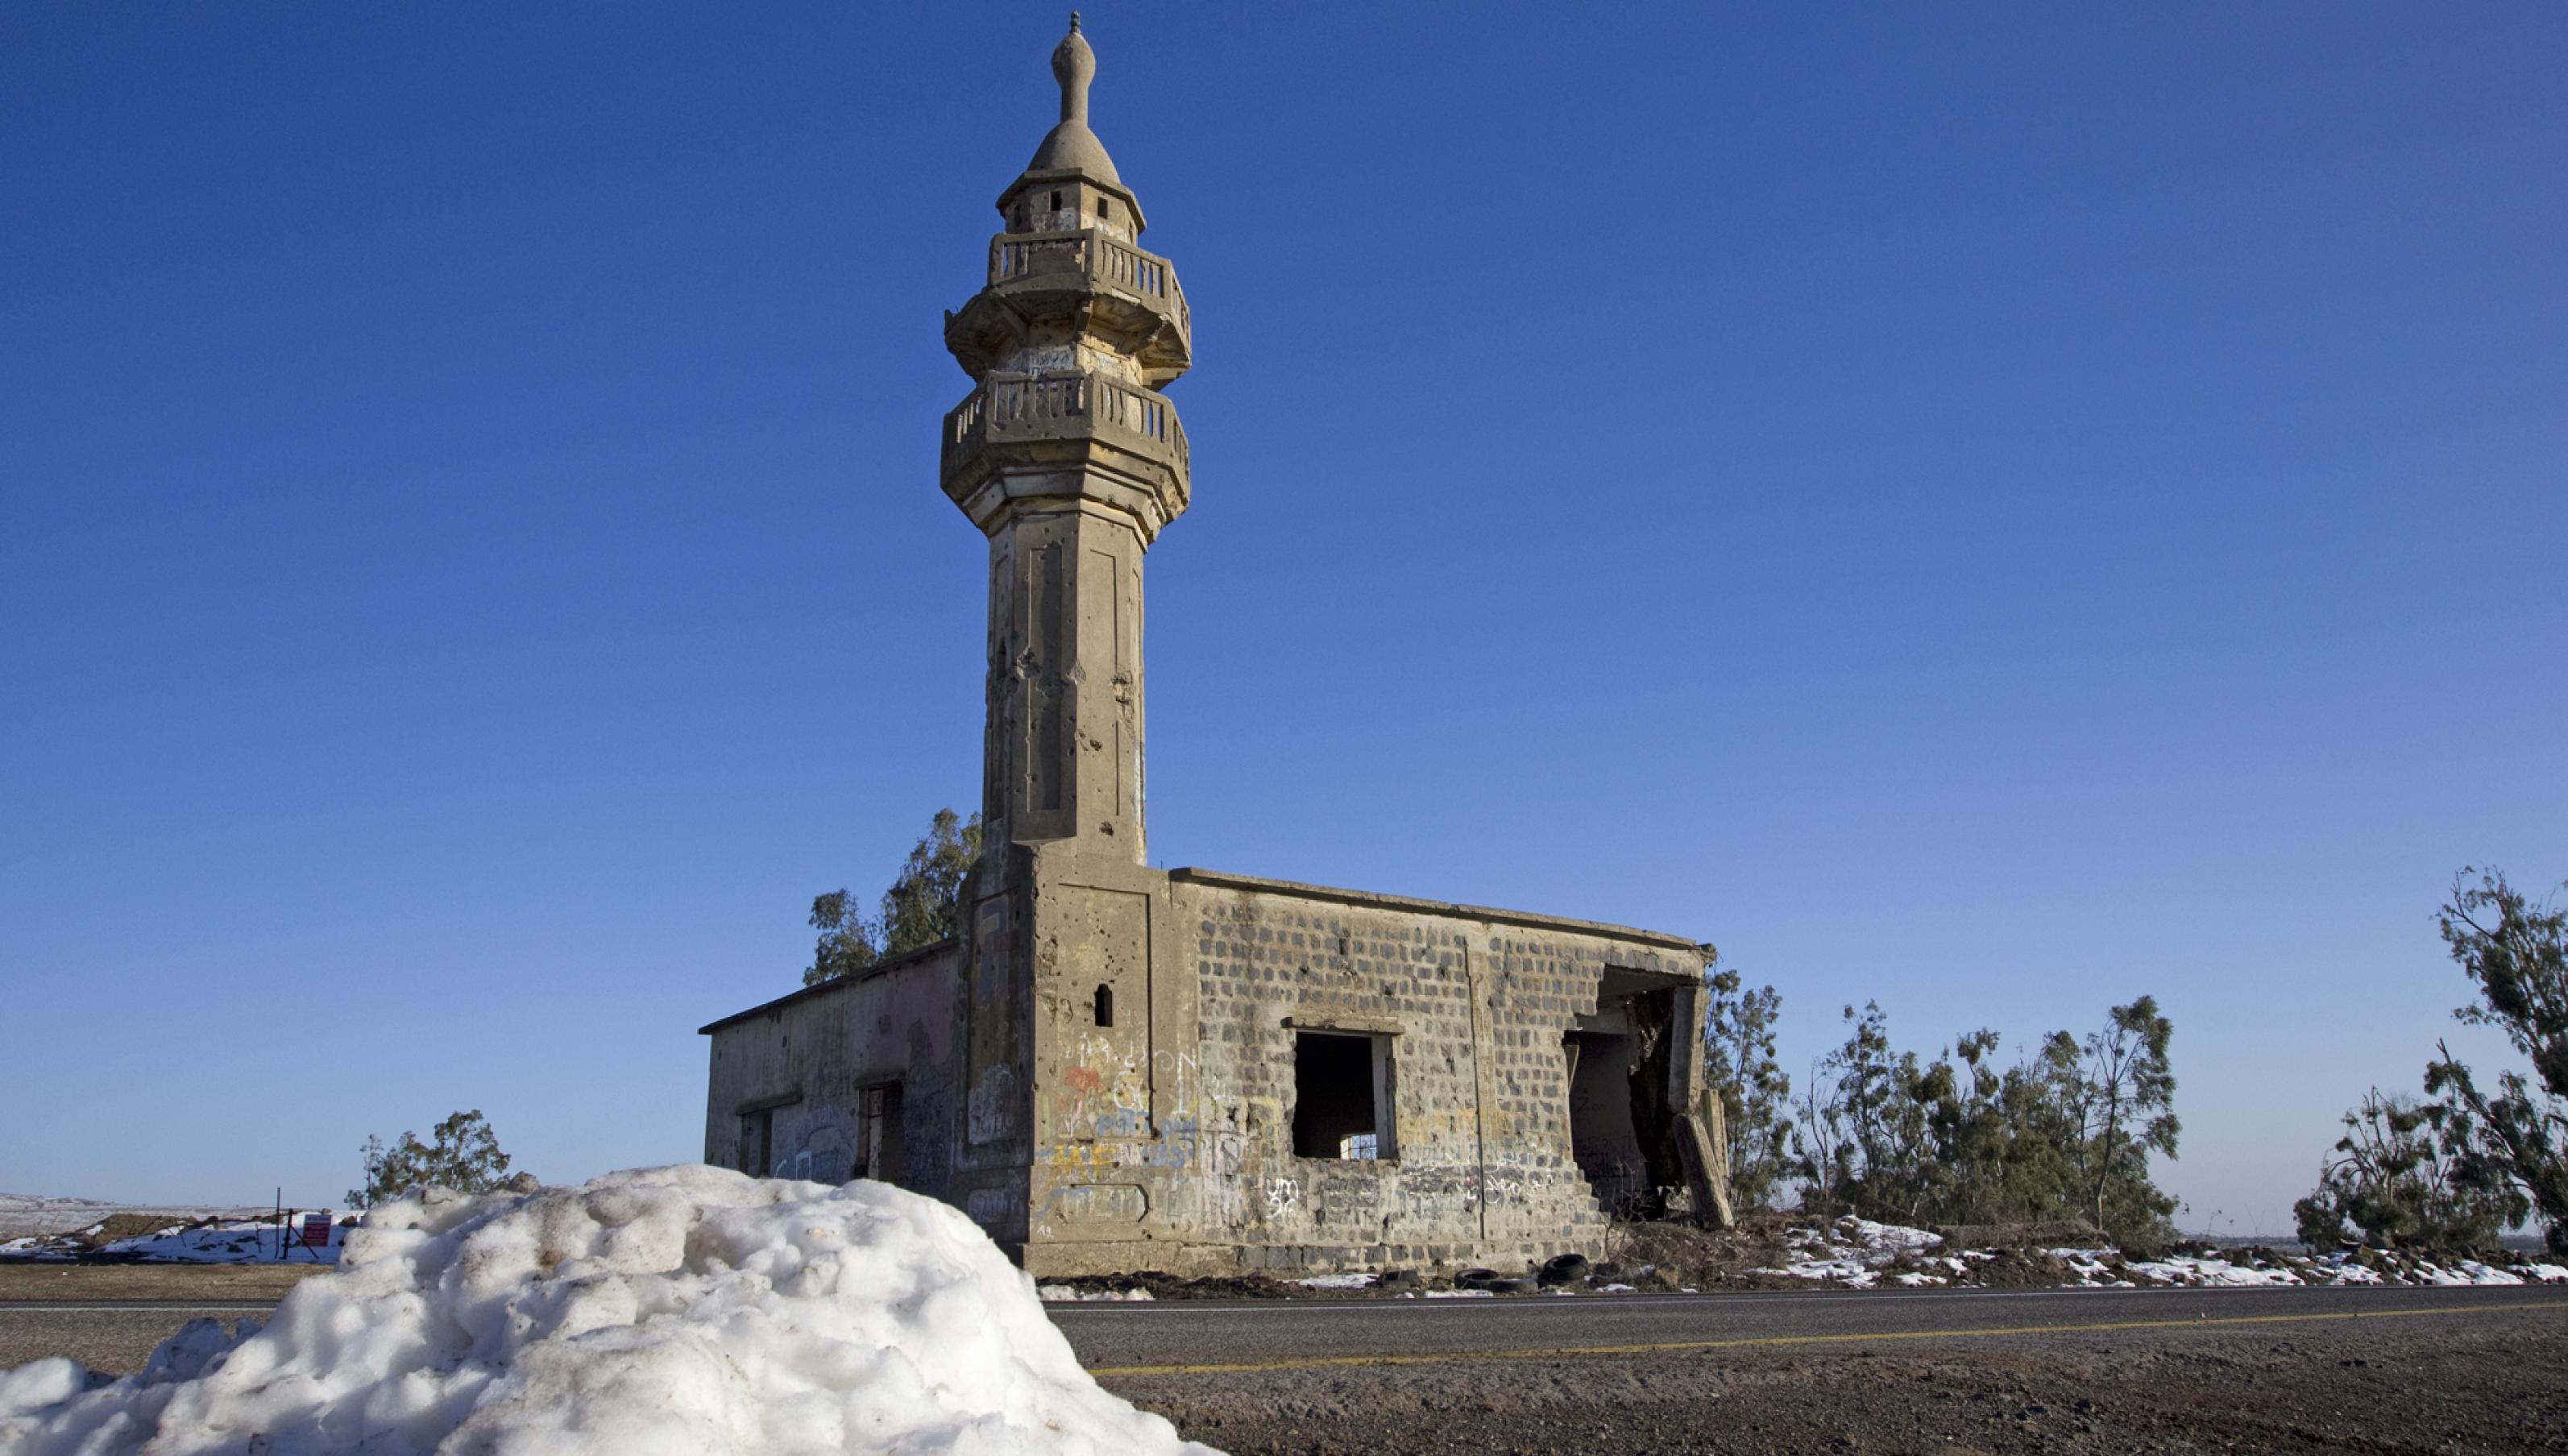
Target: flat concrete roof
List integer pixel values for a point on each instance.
(886, 967)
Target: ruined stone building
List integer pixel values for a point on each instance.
(1119, 1069)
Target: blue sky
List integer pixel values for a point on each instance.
(1990, 508)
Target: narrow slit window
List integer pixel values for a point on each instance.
(1056, 201)
(1105, 1005)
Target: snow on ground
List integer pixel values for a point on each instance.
(1858, 1254)
(2468, 1272)
(229, 1241)
(26, 1216)
(2091, 1265)
(1853, 1252)
(2186, 1269)
(662, 1310)
(1888, 1241)
(1337, 1281)
(1066, 1293)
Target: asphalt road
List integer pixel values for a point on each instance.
(1175, 1337)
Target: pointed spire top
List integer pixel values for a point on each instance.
(1070, 151)
(1074, 65)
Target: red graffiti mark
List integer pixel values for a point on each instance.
(1083, 1078)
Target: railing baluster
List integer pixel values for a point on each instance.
(1006, 408)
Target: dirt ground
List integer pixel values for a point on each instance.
(74, 1282)
(2498, 1385)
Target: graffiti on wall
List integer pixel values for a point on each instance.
(988, 1113)
(1104, 1092)
(819, 1147)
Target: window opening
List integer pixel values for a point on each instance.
(1105, 208)
(1056, 201)
(1105, 1005)
(1343, 1093)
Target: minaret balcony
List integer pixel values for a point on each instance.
(1112, 266)
(1093, 282)
(1125, 440)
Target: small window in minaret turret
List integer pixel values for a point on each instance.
(1105, 208)
(1056, 201)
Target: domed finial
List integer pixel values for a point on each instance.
(1074, 65)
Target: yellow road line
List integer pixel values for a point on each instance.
(1315, 1363)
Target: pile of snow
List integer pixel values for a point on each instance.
(664, 1310)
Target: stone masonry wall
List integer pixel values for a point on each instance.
(1474, 1010)
(807, 1057)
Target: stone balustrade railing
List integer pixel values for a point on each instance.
(1098, 255)
(1064, 406)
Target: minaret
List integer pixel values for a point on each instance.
(1070, 461)
(1069, 458)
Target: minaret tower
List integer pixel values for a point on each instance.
(1070, 461)
(1069, 458)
